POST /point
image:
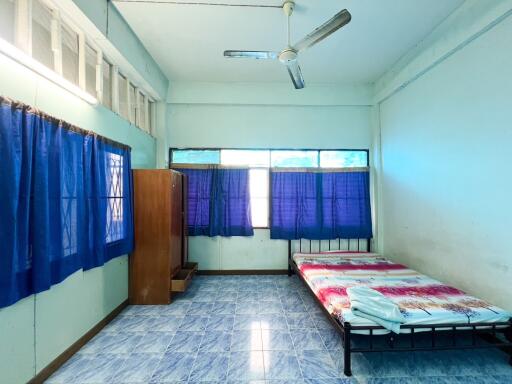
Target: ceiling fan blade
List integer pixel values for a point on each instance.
(295, 74)
(258, 55)
(329, 27)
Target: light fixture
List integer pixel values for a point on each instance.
(22, 58)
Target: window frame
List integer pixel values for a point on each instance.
(318, 150)
(23, 40)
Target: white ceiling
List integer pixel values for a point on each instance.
(188, 41)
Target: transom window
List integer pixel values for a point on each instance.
(261, 160)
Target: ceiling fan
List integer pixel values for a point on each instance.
(289, 55)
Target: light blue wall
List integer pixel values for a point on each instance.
(37, 329)
(263, 116)
(445, 142)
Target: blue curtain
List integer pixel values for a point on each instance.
(218, 202)
(318, 205)
(64, 205)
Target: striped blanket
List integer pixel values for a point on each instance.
(421, 299)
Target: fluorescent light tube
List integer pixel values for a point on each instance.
(22, 58)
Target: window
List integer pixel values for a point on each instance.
(333, 159)
(91, 58)
(69, 54)
(7, 15)
(142, 112)
(133, 104)
(260, 160)
(123, 96)
(115, 227)
(195, 156)
(152, 114)
(107, 84)
(294, 159)
(41, 34)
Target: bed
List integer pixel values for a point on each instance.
(429, 307)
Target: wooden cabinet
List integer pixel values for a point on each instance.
(160, 234)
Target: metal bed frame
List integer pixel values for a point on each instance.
(486, 331)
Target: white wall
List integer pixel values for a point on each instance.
(446, 158)
(240, 119)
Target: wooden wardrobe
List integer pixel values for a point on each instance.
(160, 251)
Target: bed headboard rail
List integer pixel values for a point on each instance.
(310, 246)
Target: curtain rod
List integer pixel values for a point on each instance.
(19, 105)
(272, 169)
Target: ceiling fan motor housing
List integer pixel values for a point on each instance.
(288, 7)
(287, 56)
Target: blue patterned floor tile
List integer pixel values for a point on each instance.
(246, 322)
(246, 366)
(274, 322)
(137, 368)
(200, 308)
(223, 308)
(270, 308)
(299, 321)
(101, 369)
(316, 365)
(276, 340)
(216, 341)
(331, 339)
(220, 323)
(247, 308)
(332, 381)
(210, 366)
(173, 367)
(205, 297)
(247, 296)
(74, 367)
(167, 323)
(230, 296)
(193, 323)
(246, 340)
(178, 308)
(292, 307)
(185, 341)
(307, 339)
(154, 342)
(281, 365)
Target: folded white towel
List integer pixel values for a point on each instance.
(373, 305)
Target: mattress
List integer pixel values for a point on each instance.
(421, 299)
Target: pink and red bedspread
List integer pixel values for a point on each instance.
(421, 299)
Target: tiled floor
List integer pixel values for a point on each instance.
(254, 329)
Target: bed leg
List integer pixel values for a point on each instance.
(290, 271)
(347, 358)
(508, 336)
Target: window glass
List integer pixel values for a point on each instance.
(258, 180)
(107, 84)
(7, 20)
(293, 158)
(195, 156)
(91, 57)
(151, 111)
(123, 97)
(142, 112)
(244, 157)
(69, 54)
(331, 159)
(115, 228)
(133, 104)
(41, 34)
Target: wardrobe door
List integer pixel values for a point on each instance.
(176, 222)
(149, 261)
